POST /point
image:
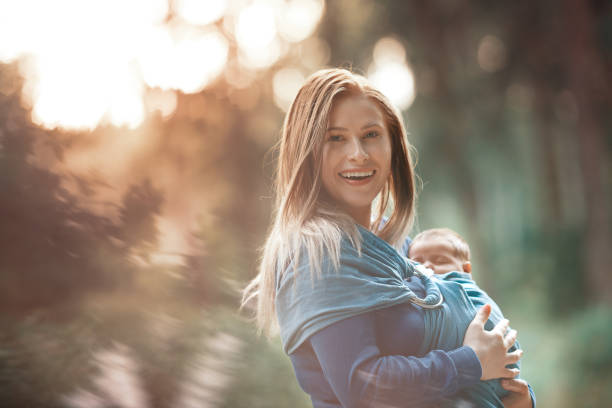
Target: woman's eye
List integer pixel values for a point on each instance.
(334, 138)
(371, 134)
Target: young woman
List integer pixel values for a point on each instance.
(362, 327)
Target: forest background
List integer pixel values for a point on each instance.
(133, 205)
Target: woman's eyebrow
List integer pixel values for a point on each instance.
(372, 124)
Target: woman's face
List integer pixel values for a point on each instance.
(356, 155)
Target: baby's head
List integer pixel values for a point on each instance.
(442, 250)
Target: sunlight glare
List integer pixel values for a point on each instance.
(13, 18)
(286, 85)
(91, 62)
(256, 35)
(126, 104)
(185, 59)
(198, 60)
(396, 81)
(390, 73)
(299, 18)
(200, 12)
(164, 102)
(66, 95)
(256, 26)
(155, 58)
(492, 54)
(388, 50)
(77, 71)
(261, 58)
(172, 243)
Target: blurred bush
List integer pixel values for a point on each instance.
(589, 358)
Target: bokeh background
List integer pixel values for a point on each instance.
(136, 172)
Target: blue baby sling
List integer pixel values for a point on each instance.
(445, 328)
(376, 279)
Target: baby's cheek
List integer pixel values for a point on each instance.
(446, 268)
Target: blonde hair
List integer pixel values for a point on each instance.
(303, 218)
(459, 245)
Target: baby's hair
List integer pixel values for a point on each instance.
(457, 242)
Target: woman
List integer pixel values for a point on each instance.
(361, 326)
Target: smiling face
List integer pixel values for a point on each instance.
(356, 157)
(438, 255)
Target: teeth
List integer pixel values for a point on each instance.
(357, 174)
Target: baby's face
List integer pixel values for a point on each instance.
(438, 255)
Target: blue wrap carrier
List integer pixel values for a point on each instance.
(306, 304)
(445, 328)
(375, 280)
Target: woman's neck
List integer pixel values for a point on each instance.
(362, 216)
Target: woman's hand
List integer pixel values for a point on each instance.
(491, 347)
(519, 396)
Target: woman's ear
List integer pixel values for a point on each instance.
(467, 267)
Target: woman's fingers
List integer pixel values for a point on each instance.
(509, 373)
(501, 327)
(483, 314)
(510, 338)
(514, 357)
(515, 385)
(519, 396)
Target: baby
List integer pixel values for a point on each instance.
(441, 251)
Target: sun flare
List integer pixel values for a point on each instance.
(91, 63)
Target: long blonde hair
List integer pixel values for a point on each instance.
(303, 218)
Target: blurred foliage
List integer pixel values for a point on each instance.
(47, 240)
(516, 159)
(590, 358)
(49, 357)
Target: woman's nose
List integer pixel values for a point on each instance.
(358, 153)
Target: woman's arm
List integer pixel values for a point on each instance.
(361, 376)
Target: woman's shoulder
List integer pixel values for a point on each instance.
(320, 258)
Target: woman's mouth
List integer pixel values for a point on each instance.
(357, 175)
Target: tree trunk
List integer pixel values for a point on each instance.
(587, 79)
